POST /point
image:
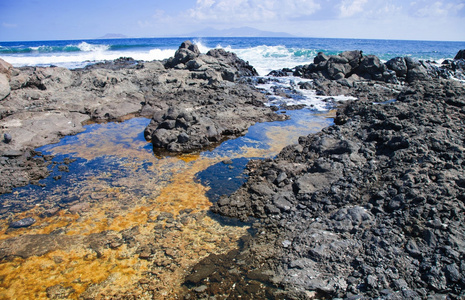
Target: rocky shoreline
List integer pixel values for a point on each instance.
(195, 100)
(371, 207)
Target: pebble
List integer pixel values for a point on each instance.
(80, 207)
(200, 289)
(26, 222)
(286, 243)
(7, 138)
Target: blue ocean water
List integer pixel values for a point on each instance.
(265, 54)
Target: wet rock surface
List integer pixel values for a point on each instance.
(26, 222)
(371, 207)
(194, 117)
(19, 168)
(194, 99)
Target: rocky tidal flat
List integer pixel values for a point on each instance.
(369, 207)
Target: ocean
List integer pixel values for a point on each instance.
(111, 184)
(265, 54)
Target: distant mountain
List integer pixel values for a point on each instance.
(237, 32)
(113, 36)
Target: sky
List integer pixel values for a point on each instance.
(32, 20)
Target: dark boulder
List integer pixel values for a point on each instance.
(371, 68)
(186, 52)
(337, 67)
(321, 57)
(460, 55)
(242, 67)
(416, 71)
(345, 65)
(354, 66)
(399, 66)
(354, 57)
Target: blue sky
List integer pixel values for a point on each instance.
(22, 20)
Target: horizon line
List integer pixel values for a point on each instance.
(194, 36)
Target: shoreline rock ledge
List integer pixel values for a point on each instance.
(195, 100)
(208, 103)
(372, 207)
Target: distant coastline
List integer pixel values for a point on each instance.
(110, 36)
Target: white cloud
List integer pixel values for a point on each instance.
(417, 19)
(348, 8)
(159, 18)
(436, 9)
(382, 10)
(227, 11)
(9, 25)
(205, 3)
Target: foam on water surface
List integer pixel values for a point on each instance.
(287, 91)
(265, 54)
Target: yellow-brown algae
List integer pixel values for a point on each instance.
(80, 269)
(151, 239)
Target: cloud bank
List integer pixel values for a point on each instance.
(338, 18)
(224, 11)
(383, 19)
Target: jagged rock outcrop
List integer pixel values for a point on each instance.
(216, 65)
(195, 100)
(186, 52)
(194, 120)
(370, 207)
(355, 66)
(460, 55)
(212, 105)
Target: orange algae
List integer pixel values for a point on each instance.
(175, 253)
(183, 192)
(98, 261)
(116, 271)
(76, 269)
(42, 226)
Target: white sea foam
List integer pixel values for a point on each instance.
(268, 58)
(88, 54)
(263, 58)
(202, 48)
(83, 46)
(275, 87)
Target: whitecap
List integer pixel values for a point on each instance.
(202, 48)
(285, 91)
(79, 59)
(86, 47)
(268, 58)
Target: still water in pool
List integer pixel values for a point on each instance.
(120, 221)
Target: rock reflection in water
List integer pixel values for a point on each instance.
(123, 222)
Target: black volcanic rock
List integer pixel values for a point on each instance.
(353, 66)
(186, 52)
(460, 55)
(372, 207)
(207, 102)
(7, 138)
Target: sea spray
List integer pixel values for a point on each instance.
(265, 54)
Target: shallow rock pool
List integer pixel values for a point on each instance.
(113, 219)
